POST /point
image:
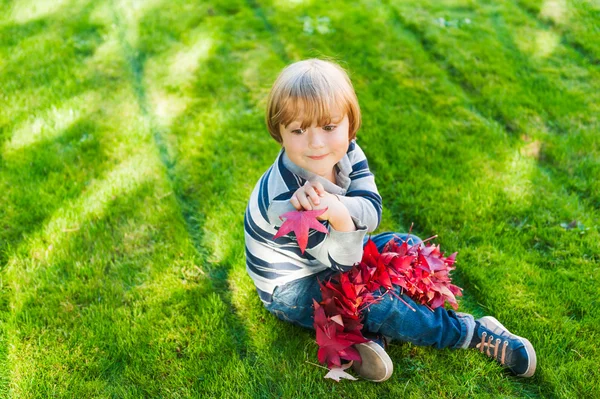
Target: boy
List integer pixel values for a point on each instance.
(313, 113)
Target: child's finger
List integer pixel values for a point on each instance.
(319, 188)
(296, 204)
(312, 194)
(304, 202)
(314, 206)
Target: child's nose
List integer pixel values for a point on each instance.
(315, 139)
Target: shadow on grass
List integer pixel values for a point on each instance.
(543, 242)
(44, 60)
(543, 272)
(109, 305)
(577, 183)
(202, 184)
(216, 161)
(38, 179)
(534, 91)
(568, 38)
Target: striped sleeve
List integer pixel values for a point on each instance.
(340, 250)
(362, 198)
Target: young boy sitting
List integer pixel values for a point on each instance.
(313, 113)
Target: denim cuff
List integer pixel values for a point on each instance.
(467, 328)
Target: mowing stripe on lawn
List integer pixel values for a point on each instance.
(198, 135)
(89, 312)
(576, 21)
(556, 115)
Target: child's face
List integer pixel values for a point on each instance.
(318, 148)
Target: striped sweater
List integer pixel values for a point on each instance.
(271, 263)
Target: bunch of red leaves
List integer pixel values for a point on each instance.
(421, 271)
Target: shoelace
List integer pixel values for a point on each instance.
(489, 344)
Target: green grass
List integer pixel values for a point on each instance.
(131, 136)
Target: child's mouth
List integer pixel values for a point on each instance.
(316, 158)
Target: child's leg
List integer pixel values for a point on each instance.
(440, 328)
(293, 302)
(397, 321)
(448, 329)
(383, 238)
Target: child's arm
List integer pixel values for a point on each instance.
(362, 198)
(338, 215)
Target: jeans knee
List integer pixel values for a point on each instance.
(410, 239)
(383, 238)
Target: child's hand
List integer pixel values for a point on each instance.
(312, 196)
(308, 197)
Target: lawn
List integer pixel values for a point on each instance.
(132, 133)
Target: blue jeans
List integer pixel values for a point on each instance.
(441, 328)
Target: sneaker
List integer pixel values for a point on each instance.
(376, 364)
(495, 341)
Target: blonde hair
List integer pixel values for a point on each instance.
(312, 87)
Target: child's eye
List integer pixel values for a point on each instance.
(329, 128)
(298, 131)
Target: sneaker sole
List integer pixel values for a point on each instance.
(373, 354)
(497, 328)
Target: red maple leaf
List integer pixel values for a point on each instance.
(335, 343)
(300, 222)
